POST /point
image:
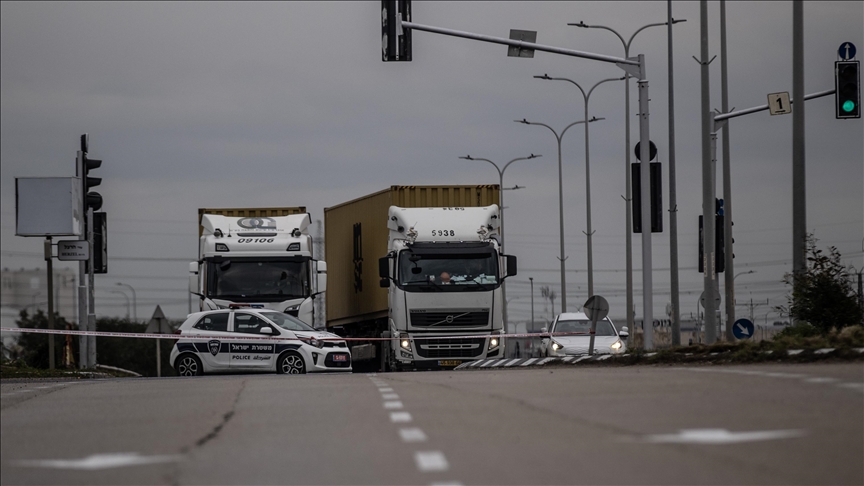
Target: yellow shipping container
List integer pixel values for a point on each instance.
(355, 237)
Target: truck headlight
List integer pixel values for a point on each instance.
(617, 345)
(494, 342)
(404, 342)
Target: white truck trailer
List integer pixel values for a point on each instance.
(437, 300)
(257, 257)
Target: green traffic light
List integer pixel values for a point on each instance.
(848, 106)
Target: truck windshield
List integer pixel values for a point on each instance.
(469, 271)
(257, 280)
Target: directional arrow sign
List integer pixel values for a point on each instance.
(846, 51)
(742, 329)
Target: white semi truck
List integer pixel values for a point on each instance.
(257, 257)
(437, 298)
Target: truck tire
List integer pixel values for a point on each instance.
(290, 363)
(188, 364)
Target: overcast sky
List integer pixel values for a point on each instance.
(222, 104)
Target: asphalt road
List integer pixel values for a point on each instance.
(747, 424)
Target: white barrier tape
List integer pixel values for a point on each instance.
(178, 336)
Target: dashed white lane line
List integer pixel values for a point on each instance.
(393, 405)
(412, 435)
(446, 484)
(385, 390)
(821, 379)
(390, 396)
(400, 417)
(431, 461)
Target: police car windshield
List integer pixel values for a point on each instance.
(285, 321)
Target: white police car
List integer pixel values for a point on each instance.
(575, 338)
(249, 340)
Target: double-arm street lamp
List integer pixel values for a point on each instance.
(589, 233)
(501, 184)
(560, 199)
(628, 197)
(501, 212)
(134, 301)
(127, 300)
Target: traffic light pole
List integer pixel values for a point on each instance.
(91, 304)
(718, 122)
(636, 68)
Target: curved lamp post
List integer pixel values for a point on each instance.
(628, 197)
(560, 199)
(589, 233)
(134, 301)
(127, 300)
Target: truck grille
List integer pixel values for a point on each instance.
(450, 348)
(450, 319)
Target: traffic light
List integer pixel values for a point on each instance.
(847, 82)
(656, 174)
(85, 165)
(395, 41)
(100, 243)
(719, 240)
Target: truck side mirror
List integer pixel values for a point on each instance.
(384, 267)
(193, 277)
(510, 261)
(384, 283)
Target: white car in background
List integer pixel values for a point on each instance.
(218, 341)
(607, 338)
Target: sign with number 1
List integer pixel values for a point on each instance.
(778, 103)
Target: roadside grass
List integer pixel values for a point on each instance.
(844, 345)
(19, 370)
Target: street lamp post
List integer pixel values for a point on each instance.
(732, 295)
(628, 197)
(589, 233)
(501, 213)
(134, 302)
(501, 185)
(532, 302)
(127, 300)
(560, 199)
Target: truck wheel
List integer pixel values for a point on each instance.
(291, 363)
(188, 365)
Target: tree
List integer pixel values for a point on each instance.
(822, 294)
(33, 347)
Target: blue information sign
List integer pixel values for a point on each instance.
(742, 329)
(846, 51)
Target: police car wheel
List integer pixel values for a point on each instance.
(291, 363)
(189, 365)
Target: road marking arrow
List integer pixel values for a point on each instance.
(721, 436)
(101, 461)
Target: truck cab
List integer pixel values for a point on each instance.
(444, 273)
(259, 262)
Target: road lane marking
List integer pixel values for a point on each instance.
(390, 396)
(853, 386)
(413, 434)
(721, 436)
(821, 379)
(386, 390)
(400, 417)
(431, 461)
(101, 461)
(393, 405)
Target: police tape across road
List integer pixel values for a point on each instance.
(142, 335)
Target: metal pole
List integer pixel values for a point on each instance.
(647, 266)
(727, 185)
(628, 200)
(91, 314)
(588, 205)
(561, 228)
(673, 204)
(799, 202)
(134, 302)
(708, 142)
(49, 262)
(532, 298)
